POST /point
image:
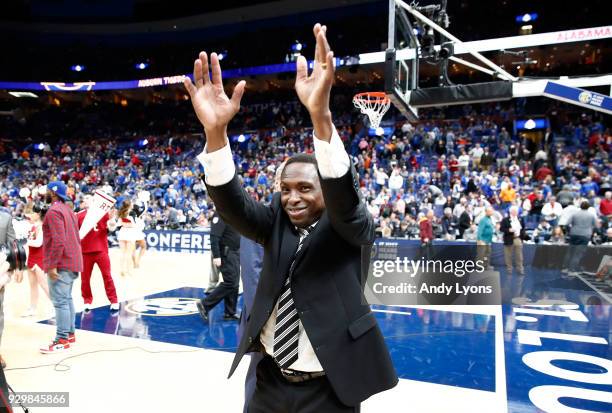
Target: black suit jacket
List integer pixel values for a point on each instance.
(326, 284)
(505, 226)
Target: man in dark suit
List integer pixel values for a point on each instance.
(225, 250)
(213, 277)
(323, 350)
(513, 230)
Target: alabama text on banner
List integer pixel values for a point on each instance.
(179, 241)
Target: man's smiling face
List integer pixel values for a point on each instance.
(301, 195)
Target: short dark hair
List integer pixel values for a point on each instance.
(585, 205)
(302, 158)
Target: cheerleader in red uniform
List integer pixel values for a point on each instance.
(35, 259)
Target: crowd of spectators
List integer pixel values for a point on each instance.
(454, 162)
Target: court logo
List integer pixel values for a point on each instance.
(164, 307)
(585, 97)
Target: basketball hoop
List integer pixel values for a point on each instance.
(373, 104)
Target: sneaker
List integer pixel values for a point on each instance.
(71, 338)
(114, 307)
(57, 346)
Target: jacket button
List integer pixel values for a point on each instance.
(250, 340)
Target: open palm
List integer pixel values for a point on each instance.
(212, 106)
(313, 91)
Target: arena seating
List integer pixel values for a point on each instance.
(404, 173)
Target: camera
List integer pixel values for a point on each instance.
(15, 254)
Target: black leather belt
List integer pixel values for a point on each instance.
(293, 376)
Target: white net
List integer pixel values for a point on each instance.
(375, 105)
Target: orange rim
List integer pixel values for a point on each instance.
(371, 97)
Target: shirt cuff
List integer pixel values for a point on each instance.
(331, 156)
(219, 166)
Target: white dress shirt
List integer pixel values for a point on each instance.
(477, 153)
(396, 181)
(551, 211)
(333, 162)
(516, 226)
(463, 161)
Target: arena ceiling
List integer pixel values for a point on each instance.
(468, 17)
(96, 16)
(110, 37)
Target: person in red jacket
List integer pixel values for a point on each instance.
(543, 172)
(62, 261)
(426, 228)
(95, 251)
(605, 208)
(453, 164)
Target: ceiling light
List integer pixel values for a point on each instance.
(23, 94)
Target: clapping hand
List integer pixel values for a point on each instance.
(313, 90)
(212, 106)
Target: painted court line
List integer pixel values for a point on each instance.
(392, 312)
(501, 389)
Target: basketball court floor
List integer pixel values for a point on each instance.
(156, 354)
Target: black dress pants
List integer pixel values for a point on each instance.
(228, 289)
(274, 394)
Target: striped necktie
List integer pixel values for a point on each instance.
(287, 329)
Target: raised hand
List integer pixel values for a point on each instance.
(212, 106)
(314, 90)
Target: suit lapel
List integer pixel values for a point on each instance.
(288, 245)
(306, 244)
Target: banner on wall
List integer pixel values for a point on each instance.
(179, 241)
(578, 96)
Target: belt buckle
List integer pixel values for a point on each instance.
(290, 373)
(291, 377)
(298, 377)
